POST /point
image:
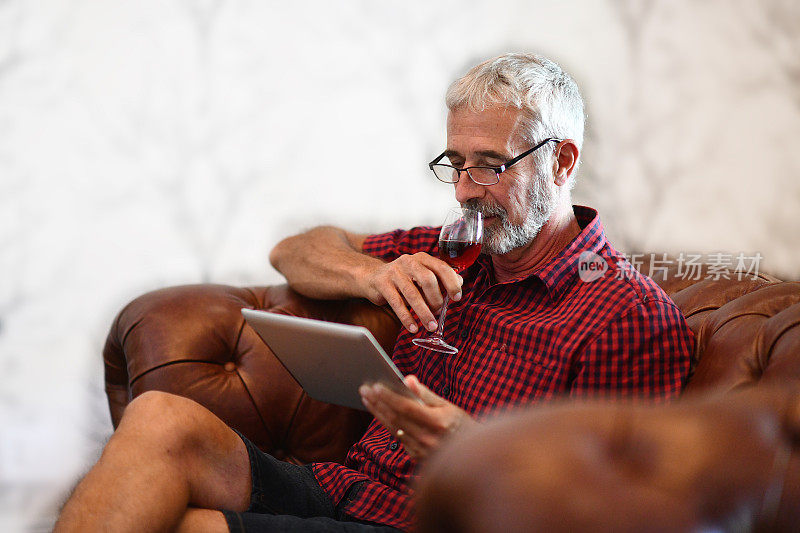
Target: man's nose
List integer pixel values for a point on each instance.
(466, 189)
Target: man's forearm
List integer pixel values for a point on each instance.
(324, 263)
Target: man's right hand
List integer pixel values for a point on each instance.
(413, 283)
(328, 262)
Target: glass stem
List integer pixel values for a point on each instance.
(443, 312)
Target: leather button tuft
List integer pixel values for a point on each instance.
(230, 366)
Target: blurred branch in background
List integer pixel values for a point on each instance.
(774, 27)
(20, 195)
(10, 53)
(771, 29)
(659, 107)
(12, 185)
(181, 138)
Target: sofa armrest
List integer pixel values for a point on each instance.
(723, 463)
(192, 341)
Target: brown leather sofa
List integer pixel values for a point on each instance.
(714, 457)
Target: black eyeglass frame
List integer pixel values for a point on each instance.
(497, 170)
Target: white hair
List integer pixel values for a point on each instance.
(548, 98)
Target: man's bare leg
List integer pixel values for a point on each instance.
(168, 453)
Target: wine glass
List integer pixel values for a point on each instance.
(459, 247)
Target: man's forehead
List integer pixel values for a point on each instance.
(491, 113)
(493, 127)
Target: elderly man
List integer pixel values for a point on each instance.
(528, 324)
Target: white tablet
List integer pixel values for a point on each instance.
(330, 361)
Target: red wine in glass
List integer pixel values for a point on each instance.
(459, 247)
(458, 254)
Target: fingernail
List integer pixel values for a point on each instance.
(412, 328)
(432, 325)
(457, 297)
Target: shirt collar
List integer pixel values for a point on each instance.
(560, 272)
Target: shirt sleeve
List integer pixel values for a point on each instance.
(390, 246)
(645, 353)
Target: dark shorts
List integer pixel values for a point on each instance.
(287, 497)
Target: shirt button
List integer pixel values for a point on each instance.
(463, 334)
(393, 446)
(445, 391)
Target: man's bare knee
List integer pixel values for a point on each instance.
(202, 521)
(173, 421)
(185, 435)
(155, 405)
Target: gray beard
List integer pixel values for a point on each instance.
(504, 237)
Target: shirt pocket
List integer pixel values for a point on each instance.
(525, 375)
(540, 356)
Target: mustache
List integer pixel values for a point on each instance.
(487, 209)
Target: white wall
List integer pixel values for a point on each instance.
(147, 143)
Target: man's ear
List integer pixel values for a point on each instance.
(566, 155)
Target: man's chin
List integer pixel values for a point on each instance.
(497, 246)
(501, 244)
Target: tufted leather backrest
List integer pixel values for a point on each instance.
(193, 341)
(754, 339)
(747, 327)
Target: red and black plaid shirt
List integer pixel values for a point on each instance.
(521, 341)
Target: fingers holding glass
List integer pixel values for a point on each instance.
(459, 246)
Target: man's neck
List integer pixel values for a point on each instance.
(554, 236)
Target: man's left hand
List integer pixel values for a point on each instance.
(420, 425)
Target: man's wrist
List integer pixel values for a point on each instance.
(361, 273)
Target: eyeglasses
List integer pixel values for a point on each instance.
(482, 175)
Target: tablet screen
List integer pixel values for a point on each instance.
(329, 360)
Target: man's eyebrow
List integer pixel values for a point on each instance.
(487, 154)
